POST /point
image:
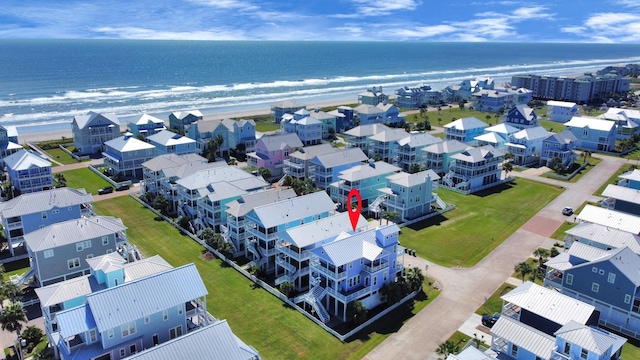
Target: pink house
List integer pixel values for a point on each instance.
(272, 151)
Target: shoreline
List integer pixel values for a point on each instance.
(36, 136)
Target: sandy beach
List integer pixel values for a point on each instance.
(247, 113)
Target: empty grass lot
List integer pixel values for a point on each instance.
(480, 222)
(84, 178)
(256, 316)
(60, 156)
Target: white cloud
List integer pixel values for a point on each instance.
(422, 32)
(150, 34)
(381, 8)
(627, 3)
(608, 27)
(227, 4)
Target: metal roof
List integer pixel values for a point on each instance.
(524, 336)
(83, 120)
(446, 147)
(624, 259)
(145, 267)
(350, 247)
(133, 300)
(341, 157)
(146, 119)
(278, 142)
(474, 155)
(191, 168)
(591, 123)
(611, 218)
(560, 103)
(593, 339)
(107, 263)
(366, 130)
(409, 180)
(419, 140)
(73, 231)
(184, 114)
(309, 152)
(221, 344)
(366, 171)
(622, 193)
(166, 161)
(168, 138)
(565, 137)
(223, 190)
(63, 291)
(44, 200)
(470, 353)
(631, 175)
(247, 202)
(322, 230)
(549, 304)
(127, 143)
(390, 135)
(24, 160)
(286, 104)
(202, 178)
(491, 137)
(77, 320)
(286, 211)
(466, 124)
(533, 133)
(606, 236)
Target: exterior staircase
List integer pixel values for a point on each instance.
(375, 205)
(447, 181)
(291, 271)
(314, 299)
(440, 202)
(281, 181)
(24, 278)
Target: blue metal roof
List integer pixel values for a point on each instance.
(75, 321)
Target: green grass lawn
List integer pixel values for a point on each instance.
(264, 126)
(480, 222)
(84, 178)
(60, 156)
(494, 303)
(592, 163)
(256, 316)
(446, 115)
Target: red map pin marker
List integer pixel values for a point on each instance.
(354, 214)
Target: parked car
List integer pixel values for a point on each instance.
(105, 190)
(122, 187)
(567, 211)
(490, 320)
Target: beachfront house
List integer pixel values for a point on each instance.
(167, 142)
(181, 120)
(202, 196)
(383, 113)
(411, 196)
(464, 90)
(410, 150)
(561, 146)
(280, 108)
(606, 279)
(526, 145)
(28, 172)
(123, 320)
(308, 129)
(92, 130)
(438, 156)
(475, 169)
(57, 252)
(522, 117)
(494, 100)
(353, 267)
(538, 323)
(373, 96)
(145, 125)
(125, 155)
(294, 247)
(562, 111)
(265, 224)
(235, 229)
(29, 212)
(272, 151)
(8, 141)
(415, 97)
(593, 134)
(366, 178)
(464, 130)
(299, 163)
(327, 167)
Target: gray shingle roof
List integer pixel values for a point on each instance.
(44, 200)
(221, 344)
(139, 298)
(73, 231)
(286, 211)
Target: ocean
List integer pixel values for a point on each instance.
(45, 83)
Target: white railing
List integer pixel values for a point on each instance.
(346, 298)
(373, 269)
(329, 273)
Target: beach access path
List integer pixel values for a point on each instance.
(464, 290)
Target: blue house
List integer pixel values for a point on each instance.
(388, 114)
(621, 198)
(373, 96)
(630, 179)
(126, 154)
(284, 107)
(464, 130)
(325, 168)
(526, 145)
(8, 141)
(167, 142)
(367, 178)
(410, 149)
(522, 117)
(411, 196)
(204, 131)
(475, 169)
(146, 125)
(308, 129)
(28, 172)
(439, 156)
(593, 134)
(92, 130)
(181, 120)
(345, 118)
(353, 267)
(561, 146)
(30, 212)
(417, 96)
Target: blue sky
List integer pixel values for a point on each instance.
(614, 21)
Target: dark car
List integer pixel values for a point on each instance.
(105, 190)
(567, 211)
(122, 187)
(490, 320)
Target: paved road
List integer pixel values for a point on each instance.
(465, 289)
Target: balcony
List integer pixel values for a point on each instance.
(293, 165)
(553, 279)
(374, 269)
(305, 255)
(349, 296)
(555, 355)
(14, 225)
(317, 266)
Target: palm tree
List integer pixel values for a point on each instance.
(508, 156)
(12, 317)
(415, 167)
(507, 167)
(389, 215)
(357, 313)
(10, 290)
(524, 268)
(446, 348)
(542, 254)
(414, 278)
(60, 180)
(286, 288)
(488, 117)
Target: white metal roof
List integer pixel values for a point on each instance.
(74, 321)
(561, 103)
(127, 143)
(622, 193)
(366, 130)
(309, 152)
(350, 247)
(466, 124)
(524, 336)
(83, 120)
(631, 175)
(25, 159)
(63, 291)
(107, 263)
(607, 236)
(44, 200)
(145, 267)
(247, 202)
(446, 147)
(366, 171)
(474, 155)
(597, 341)
(611, 218)
(168, 138)
(337, 158)
(491, 137)
(533, 133)
(205, 177)
(591, 123)
(419, 140)
(286, 211)
(145, 119)
(502, 128)
(391, 135)
(408, 180)
(549, 304)
(73, 231)
(322, 230)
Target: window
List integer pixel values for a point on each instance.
(595, 287)
(132, 348)
(584, 353)
(165, 314)
(601, 272)
(627, 298)
(105, 240)
(56, 211)
(73, 263)
(569, 279)
(89, 256)
(92, 335)
(514, 350)
(611, 278)
(146, 320)
(175, 332)
(375, 280)
(179, 309)
(567, 348)
(128, 329)
(594, 269)
(44, 215)
(122, 353)
(48, 253)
